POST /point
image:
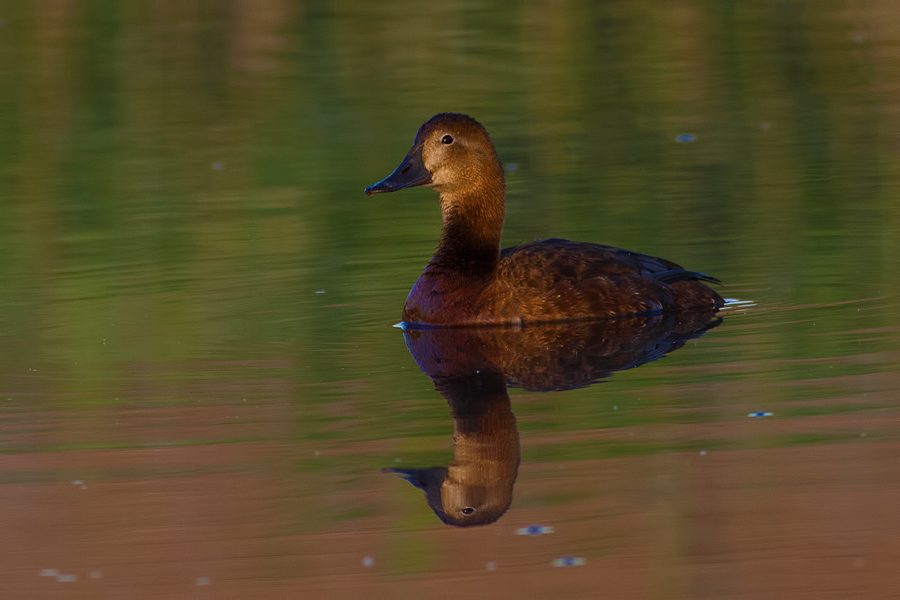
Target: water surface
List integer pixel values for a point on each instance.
(199, 378)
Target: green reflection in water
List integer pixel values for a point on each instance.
(180, 181)
(176, 197)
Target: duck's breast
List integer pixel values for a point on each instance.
(438, 299)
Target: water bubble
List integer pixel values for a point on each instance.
(67, 578)
(568, 561)
(368, 561)
(204, 581)
(492, 566)
(534, 530)
(49, 572)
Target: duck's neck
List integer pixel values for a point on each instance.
(470, 236)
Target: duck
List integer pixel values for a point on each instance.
(471, 281)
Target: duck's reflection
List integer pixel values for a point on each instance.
(472, 368)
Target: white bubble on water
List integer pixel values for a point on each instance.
(568, 561)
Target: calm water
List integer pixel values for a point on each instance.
(200, 380)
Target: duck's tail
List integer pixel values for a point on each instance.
(674, 275)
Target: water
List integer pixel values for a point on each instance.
(199, 378)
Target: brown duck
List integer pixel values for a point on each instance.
(471, 281)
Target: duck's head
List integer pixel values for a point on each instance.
(452, 153)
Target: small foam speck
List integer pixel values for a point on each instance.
(568, 561)
(534, 530)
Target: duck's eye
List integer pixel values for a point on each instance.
(467, 510)
(447, 139)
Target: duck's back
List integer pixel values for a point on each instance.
(558, 279)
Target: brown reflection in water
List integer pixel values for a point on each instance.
(476, 488)
(471, 369)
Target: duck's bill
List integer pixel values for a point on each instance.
(410, 173)
(421, 478)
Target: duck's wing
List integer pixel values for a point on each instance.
(599, 279)
(582, 260)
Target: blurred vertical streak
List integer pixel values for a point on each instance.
(873, 28)
(46, 104)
